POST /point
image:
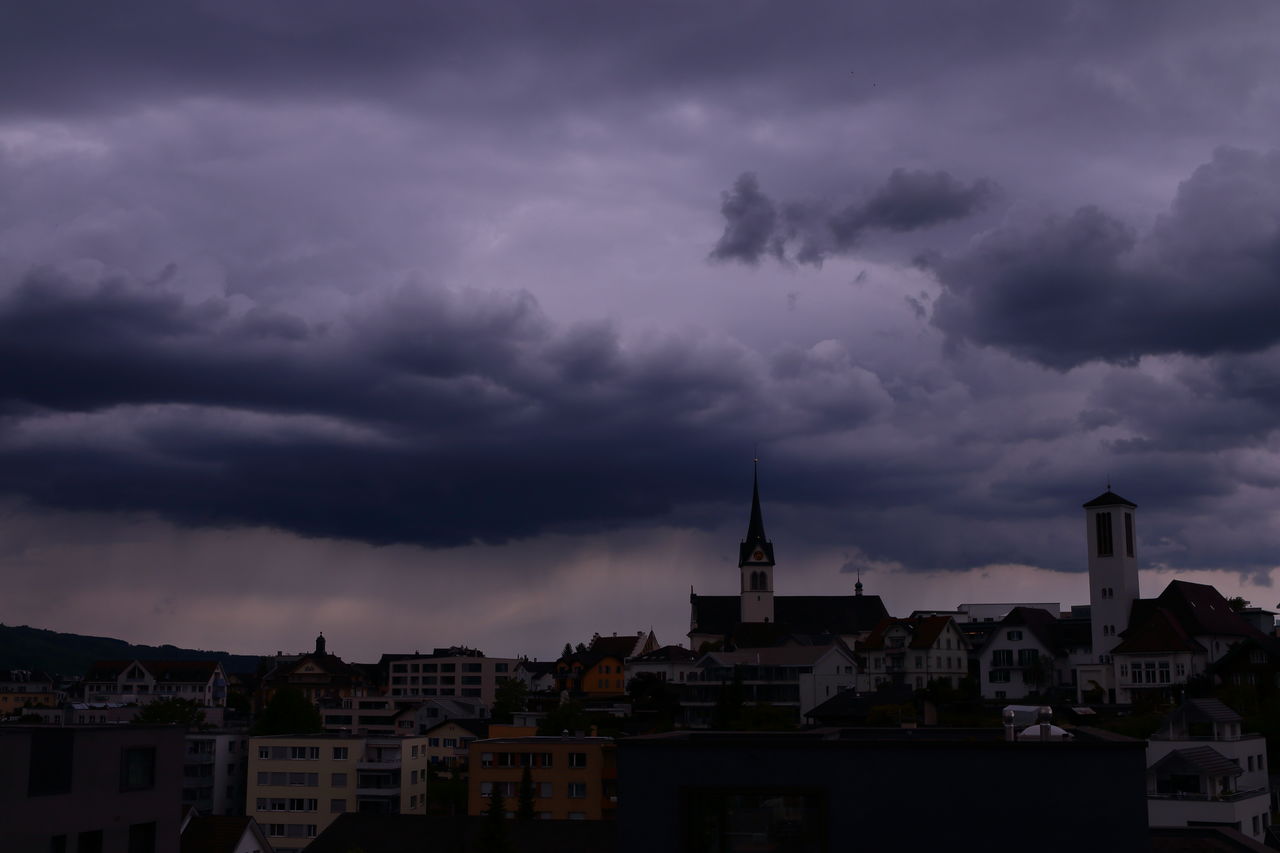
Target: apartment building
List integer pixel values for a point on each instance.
(298, 784)
(916, 651)
(141, 682)
(574, 778)
(1203, 770)
(794, 679)
(23, 688)
(453, 672)
(214, 772)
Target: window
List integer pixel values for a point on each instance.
(1002, 657)
(1251, 767)
(1014, 635)
(89, 842)
(577, 759)
(338, 780)
(142, 837)
(1028, 657)
(264, 753)
(413, 751)
(1102, 529)
(138, 768)
(472, 667)
(1128, 534)
(577, 815)
(340, 753)
(337, 806)
(544, 790)
(577, 790)
(500, 667)
(999, 676)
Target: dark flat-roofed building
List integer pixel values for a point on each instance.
(957, 790)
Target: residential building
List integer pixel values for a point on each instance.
(23, 688)
(1030, 651)
(574, 778)
(962, 791)
(449, 741)
(376, 715)
(1202, 770)
(1252, 663)
(320, 676)
(1174, 637)
(725, 621)
(448, 672)
(600, 670)
(299, 783)
(915, 652)
(537, 676)
(793, 679)
(674, 664)
(214, 771)
(142, 682)
(113, 789)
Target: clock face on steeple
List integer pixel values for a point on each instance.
(757, 556)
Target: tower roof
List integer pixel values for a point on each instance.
(755, 539)
(1109, 498)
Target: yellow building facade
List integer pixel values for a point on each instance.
(299, 784)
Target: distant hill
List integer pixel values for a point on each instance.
(23, 647)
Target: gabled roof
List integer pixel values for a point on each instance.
(923, 632)
(1197, 608)
(1159, 632)
(218, 833)
(1209, 711)
(160, 670)
(620, 646)
(545, 667)
(666, 654)
(479, 728)
(800, 614)
(1109, 498)
(1200, 760)
(1039, 623)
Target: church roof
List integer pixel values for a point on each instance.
(803, 614)
(1109, 498)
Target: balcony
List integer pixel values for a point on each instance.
(1206, 738)
(1233, 797)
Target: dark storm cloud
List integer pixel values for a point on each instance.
(809, 232)
(432, 416)
(1085, 287)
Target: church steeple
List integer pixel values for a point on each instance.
(755, 548)
(755, 562)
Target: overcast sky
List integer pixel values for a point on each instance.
(427, 324)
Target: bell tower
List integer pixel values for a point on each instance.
(1113, 568)
(755, 562)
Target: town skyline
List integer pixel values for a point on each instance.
(432, 326)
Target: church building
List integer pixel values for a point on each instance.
(757, 617)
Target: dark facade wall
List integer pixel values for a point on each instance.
(114, 780)
(899, 796)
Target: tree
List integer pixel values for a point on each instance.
(568, 717)
(493, 836)
(288, 712)
(525, 810)
(568, 651)
(508, 697)
(1238, 603)
(183, 712)
(580, 648)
